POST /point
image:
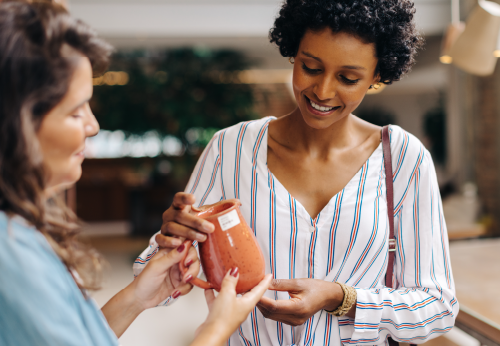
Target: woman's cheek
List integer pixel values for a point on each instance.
(352, 99)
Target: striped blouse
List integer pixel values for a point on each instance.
(346, 242)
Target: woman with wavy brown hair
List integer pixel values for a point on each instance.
(47, 60)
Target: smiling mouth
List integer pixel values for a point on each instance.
(319, 108)
(81, 153)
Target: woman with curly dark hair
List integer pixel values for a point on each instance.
(313, 188)
(47, 59)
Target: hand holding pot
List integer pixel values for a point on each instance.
(179, 223)
(227, 311)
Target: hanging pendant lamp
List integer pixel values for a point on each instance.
(454, 31)
(474, 49)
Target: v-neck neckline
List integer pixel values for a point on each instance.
(297, 202)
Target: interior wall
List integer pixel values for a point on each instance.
(409, 110)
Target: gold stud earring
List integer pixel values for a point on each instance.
(291, 59)
(376, 86)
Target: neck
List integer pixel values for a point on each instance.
(302, 137)
(52, 190)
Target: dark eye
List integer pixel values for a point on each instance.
(349, 81)
(310, 70)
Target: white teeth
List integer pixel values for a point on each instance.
(320, 108)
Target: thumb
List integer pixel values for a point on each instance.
(166, 259)
(254, 295)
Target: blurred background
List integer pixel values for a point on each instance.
(183, 69)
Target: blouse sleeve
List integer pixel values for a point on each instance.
(205, 185)
(423, 305)
(38, 305)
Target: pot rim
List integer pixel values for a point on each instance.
(235, 204)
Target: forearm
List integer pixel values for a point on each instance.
(121, 310)
(211, 335)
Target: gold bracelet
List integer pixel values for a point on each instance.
(350, 298)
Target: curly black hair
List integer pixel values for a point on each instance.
(387, 23)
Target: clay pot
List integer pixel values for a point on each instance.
(232, 244)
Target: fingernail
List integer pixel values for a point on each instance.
(188, 278)
(201, 237)
(207, 226)
(189, 263)
(181, 248)
(176, 242)
(176, 294)
(234, 272)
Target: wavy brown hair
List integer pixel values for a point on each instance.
(34, 78)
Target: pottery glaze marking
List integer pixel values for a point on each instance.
(232, 244)
(229, 220)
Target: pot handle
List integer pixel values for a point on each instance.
(195, 281)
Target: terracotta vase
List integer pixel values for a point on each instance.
(232, 244)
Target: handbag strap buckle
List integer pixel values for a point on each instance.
(392, 245)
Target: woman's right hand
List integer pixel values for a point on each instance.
(227, 311)
(180, 224)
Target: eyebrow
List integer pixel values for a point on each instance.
(349, 67)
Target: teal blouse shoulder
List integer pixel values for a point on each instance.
(40, 303)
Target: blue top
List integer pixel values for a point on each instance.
(40, 303)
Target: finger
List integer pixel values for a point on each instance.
(267, 303)
(284, 285)
(286, 319)
(182, 200)
(166, 242)
(184, 289)
(176, 229)
(192, 257)
(194, 222)
(210, 298)
(228, 285)
(192, 272)
(165, 258)
(256, 293)
(288, 306)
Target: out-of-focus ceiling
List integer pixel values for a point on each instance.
(210, 18)
(236, 24)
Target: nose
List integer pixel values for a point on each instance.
(325, 89)
(91, 124)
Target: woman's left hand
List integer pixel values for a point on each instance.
(151, 287)
(161, 279)
(307, 297)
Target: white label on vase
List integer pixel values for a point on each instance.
(229, 220)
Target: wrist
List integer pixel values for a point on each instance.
(121, 310)
(212, 333)
(129, 299)
(334, 296)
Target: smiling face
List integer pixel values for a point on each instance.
(331, 75)
(64, 129)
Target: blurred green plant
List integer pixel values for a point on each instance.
(175, 92)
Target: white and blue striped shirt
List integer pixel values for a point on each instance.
(346, 242)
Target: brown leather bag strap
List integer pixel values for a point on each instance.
(386, 146)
